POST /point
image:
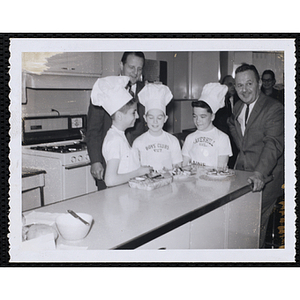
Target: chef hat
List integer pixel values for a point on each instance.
(110, 92)
(155, 96)
(214, 95)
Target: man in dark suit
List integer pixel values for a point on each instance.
(257, 129)
(98, 121)
(225, 112)
(268, 83)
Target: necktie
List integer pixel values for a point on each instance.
(246, 114)
(228, 105)
(129, 89)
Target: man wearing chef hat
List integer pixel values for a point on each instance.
(208, 145)
(122, 161)
(156, 147)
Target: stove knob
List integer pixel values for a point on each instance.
(80, 158)
(73, 159)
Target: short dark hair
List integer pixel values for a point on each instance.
(138, 54)
(225, 77)
(124, 109)
(246, 67)
(270, 72)
(202, 104)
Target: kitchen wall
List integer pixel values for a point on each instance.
(64, 102)
(187, 72)
(262, 60)
(111, 62)
(40, 102)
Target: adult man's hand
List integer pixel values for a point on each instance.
(257, 181)
(97, 170)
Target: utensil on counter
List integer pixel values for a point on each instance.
(72, 226)
(71, 212)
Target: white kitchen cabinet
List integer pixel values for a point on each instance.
(181, 77)
(204, 69)
(206, 233)
(182, 115)
(75, 62)
(238, 225)
(242, 226)
(232, 226)
(192, 70)
(33, 182)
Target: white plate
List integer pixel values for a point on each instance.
(220, 176)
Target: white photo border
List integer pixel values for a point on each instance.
(19, 45)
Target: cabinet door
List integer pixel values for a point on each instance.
(175, 239)
(204, 69)
(57, 62)
(182, 115)
(181, 75)
(75, 183)
(208, 231)
(243, 221)
(85, 62)
(76, 62)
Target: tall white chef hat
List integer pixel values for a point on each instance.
(155, 96)
(110, 92)
(214, 95)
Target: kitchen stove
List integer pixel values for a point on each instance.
(62, 148)
(68, 152)
(65, 161)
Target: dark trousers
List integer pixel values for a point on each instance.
(100, 184)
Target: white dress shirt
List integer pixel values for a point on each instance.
(241, 117)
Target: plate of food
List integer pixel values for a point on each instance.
(150, 181)
(216, 174)
(181, 173)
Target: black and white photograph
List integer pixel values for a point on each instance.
(167, 150)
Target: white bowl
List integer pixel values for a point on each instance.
(72, 228)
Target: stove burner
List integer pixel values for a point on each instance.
(62, 148)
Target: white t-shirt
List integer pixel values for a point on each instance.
(158, 151)
(116, 146)
(204, 147)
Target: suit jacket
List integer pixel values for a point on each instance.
(262, 146)
(276, 94)
(98, 123)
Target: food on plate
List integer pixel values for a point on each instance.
(179, 173)
(214, 172)
(33, 231)
(150, 181)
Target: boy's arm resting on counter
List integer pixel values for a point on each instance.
(186, 160)
(223, 161)
(112, 177)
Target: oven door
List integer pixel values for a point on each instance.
(77, 180)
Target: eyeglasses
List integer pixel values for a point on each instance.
(267, 80)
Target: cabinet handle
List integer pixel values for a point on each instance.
(68, 69)
(76, 166)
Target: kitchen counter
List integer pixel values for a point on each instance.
(200, 213)
(33, 182)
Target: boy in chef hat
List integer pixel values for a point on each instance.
(122, 162)
(208, 146)
(156, 147)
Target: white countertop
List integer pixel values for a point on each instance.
(122, 213)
